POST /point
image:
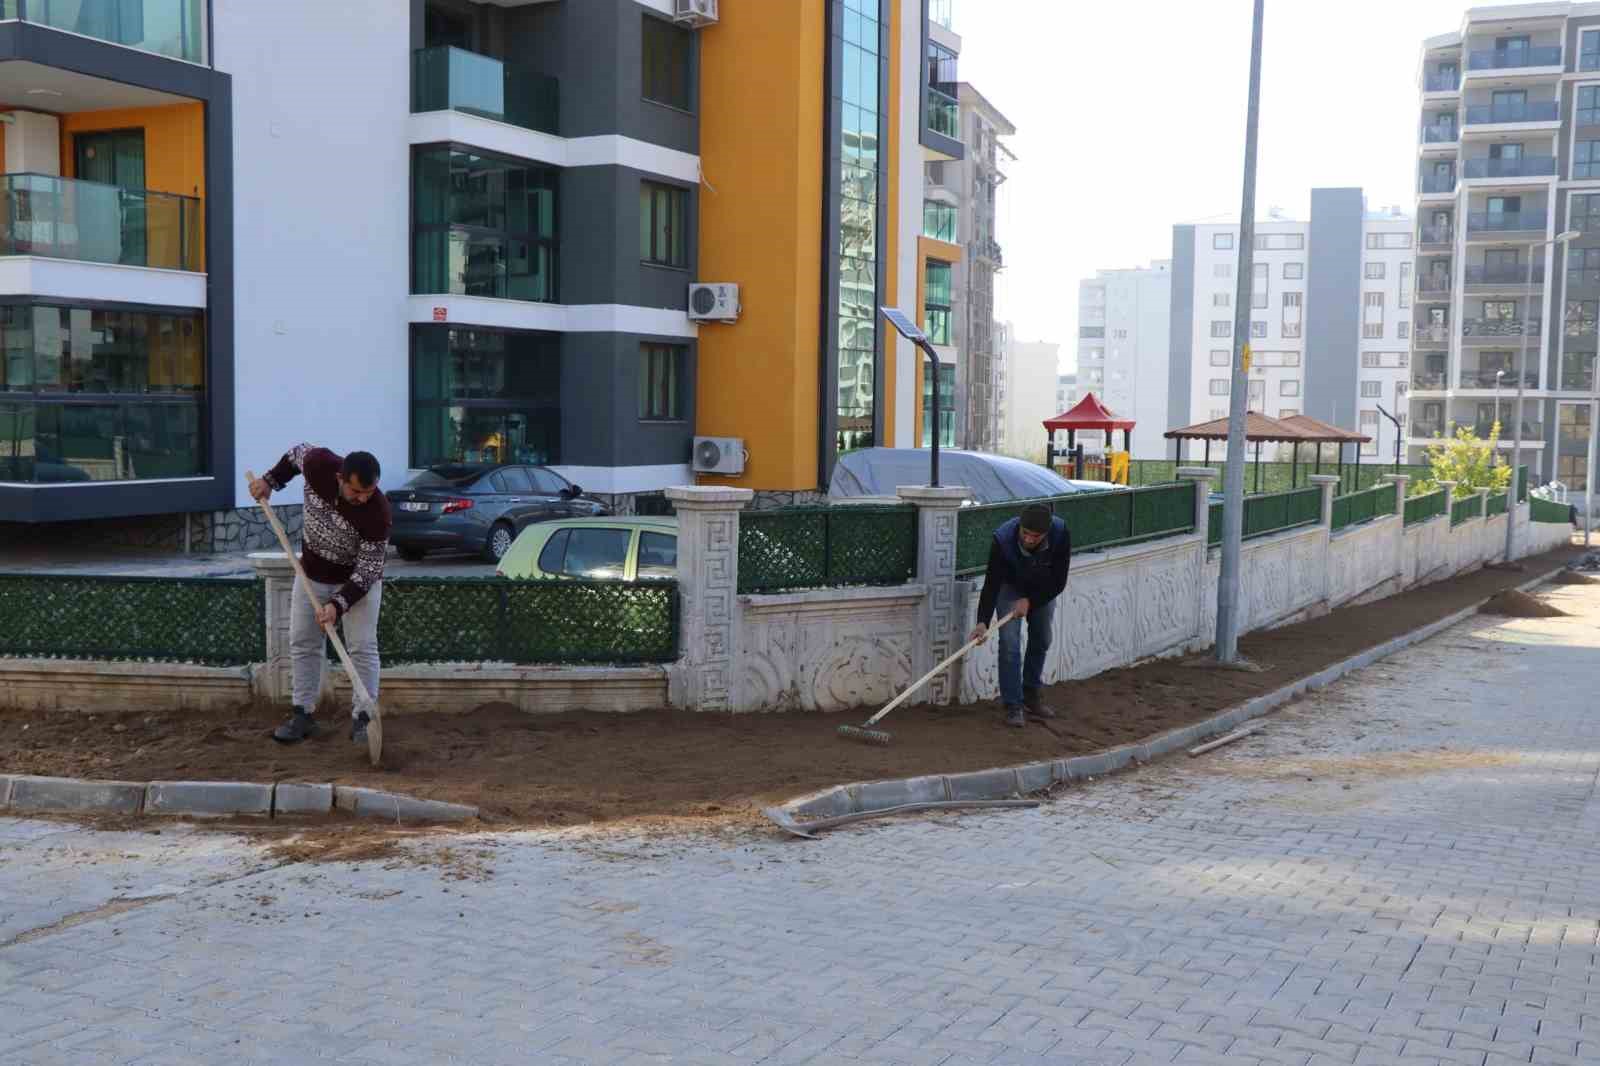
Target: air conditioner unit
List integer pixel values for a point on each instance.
(695, 12)
(719, 455)
(710, 302)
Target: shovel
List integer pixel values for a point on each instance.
(362, 699)
(864, 732)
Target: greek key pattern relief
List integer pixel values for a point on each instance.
(937, 570)
(719, 564)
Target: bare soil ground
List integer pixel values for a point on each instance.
(575, 768)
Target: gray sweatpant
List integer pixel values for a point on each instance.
(307, 644)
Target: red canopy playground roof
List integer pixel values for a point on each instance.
(1088, 413)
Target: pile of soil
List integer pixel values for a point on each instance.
(565, 769)
(1514, 604)
(1572, 577)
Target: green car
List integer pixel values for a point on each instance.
(623, 548)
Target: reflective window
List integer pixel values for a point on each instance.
(667, 64)
(658, 556)
(484, 396)
(483, 225)
(661, 382)
(663, 224)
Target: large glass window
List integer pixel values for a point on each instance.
(484, 225)
(947, 402)
(663, 225)
(939, 221)
(1585, 212)
(1588, 109)
(1583, 267)
(1586, 159)
(1589, 50)
(667, 64)
(662, 382)
(97, 395)
(936, 323)
(481, 395)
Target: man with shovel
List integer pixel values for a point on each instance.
(344, 547)
(1027, 570)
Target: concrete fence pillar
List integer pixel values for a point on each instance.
(1400, 482)
(1449, 488)
(1327, 483)
(1201, 476)
(273, 682)
(706, 675)
(939, 624)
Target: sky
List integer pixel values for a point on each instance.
(1130, 119)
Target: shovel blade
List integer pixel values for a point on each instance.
(375, 737)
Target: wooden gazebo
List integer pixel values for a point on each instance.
(1321, 433)
(1258, 428)
(1089, 415)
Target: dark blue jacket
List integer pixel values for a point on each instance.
(1040, 576)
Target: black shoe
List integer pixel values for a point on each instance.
(358, 727)
(1035, 704)
(299, 726)
(1016, 717)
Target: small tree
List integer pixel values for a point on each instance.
(1471, 463)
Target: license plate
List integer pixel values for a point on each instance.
(413, 507)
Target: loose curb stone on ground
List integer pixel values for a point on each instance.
(373, 803)
(295, 797)
(1005, 782)
(71, 794)
(5, 791)
(207, 798)
(215, 799)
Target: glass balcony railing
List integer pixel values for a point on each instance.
(944, 114)
(1530, 430)
(1528, 166)
(1426, 430)
(1442, 82)
(1436, 235)
(1440, 135)
(1429, 374)
(1485, 377)
(445, 78)
(1437, 183)
(167, 27)
(1495, 330)
(1430, 337)
(1513, 58)
(1504, 275)
(1434, 281)
(1507, 222)
(1532, 111)
(62, 218)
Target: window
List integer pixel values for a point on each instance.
(1222, 270)
(1585, 211)
(667, 50)
(1588, 110)
(1219, 412)
(947, 402)
(1370, 359)
(483, 225)
(1582, 316)
(595, 552)
(939, 222)
(1221, 357)
(1221, 299)
(662, 384)
(936, 320)
(1405, 285)
(1583, 267)
(1369, 427)
(1119, 334)
(1388, 240)
(1221, 328)
(1257, 397)
(1280, 242)
(1375, 271)
(663, 224)
(1371, 390)
(1258, 285)
(1258, 329)
(1219, 386)
(1289, 387)
(658, 557)
(1294, 271)
(1288, 412)
(1372, 331)
(1405, 360)
(1291, 314)
(1589, 50)
(1586, 160)
(1222, 242)
(1373, 300)
(481, 395)
(1404, 330)
(1091, 332)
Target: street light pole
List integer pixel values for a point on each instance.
(1522, 375)
(1588, 469)
(1227, 650)
(1498, 374)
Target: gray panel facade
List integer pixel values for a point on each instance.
(600, 423)
(1181, 364)
(1333, 305)
(598, 228)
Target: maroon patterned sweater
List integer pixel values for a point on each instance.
(343, 544)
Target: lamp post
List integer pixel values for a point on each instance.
(1522, 376)
(1498, 374)
(908, 329)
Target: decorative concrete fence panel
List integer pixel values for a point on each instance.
(1283, 576)
(1425, 556)
(829, 649)
(1364, 561)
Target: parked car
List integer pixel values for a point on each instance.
(480, 507)
(598, 549)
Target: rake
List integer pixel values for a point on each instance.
(362, 699)
(865, 733)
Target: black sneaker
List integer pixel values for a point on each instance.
(358, 727)
(1016, 717)
(299, 726)
(1035, 704)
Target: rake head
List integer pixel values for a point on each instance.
(863, 734)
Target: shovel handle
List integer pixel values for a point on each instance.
(931, 674)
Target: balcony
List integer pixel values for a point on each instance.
(1515, 58)
(1496, 114)
(1531, 431)
(1497, 376)
(1502, 278)
(1495, 224)
(1433, 284)
(1436, 237)
(1430, 338)
(173, 28)
(1442, 83)
(1529, 166)
(445, 78)
(1440, 134)
(1420, 430)
(990, 250)
(63, 218)
(1428, 375)
(1494, 331)
(944, 114)
(1436, 185)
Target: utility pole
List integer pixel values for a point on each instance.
(1239, 391)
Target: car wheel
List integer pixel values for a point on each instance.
(412, 555)
(498, 542)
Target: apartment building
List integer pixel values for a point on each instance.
(1508, 153)
(1124, 347)
(455, 231)
(1032, 377)
(1330, 323)
(1066, 392)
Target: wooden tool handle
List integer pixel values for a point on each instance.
(931, 674)
(364, 700)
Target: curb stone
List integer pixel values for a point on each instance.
(21, 792)
(295, 797)
(1005, 782)
(213, 798)
(72, 794)
(374, 803)
(5, 791)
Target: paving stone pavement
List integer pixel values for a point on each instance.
(1397, 870)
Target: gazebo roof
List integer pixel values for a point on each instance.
(1088, 413)
(1257, 427)
(1316, 430)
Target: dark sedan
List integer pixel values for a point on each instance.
(480, 507)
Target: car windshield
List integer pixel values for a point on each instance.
(439, 477)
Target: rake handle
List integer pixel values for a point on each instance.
(338, 645)
(931, 674)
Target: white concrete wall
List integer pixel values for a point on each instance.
(321, 167)
(829, 649)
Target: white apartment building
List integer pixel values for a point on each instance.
(1124, 342)
(1032, 377)
(1330, 323)
(1508, 158)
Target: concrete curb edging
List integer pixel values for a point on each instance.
(1016, 781)
(214, 799)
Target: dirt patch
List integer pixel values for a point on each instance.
(1572, 577)
(1514, 604)
(673, 768)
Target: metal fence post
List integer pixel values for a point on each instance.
(274, 681)
(706, 676)
(938, 625)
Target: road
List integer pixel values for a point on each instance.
(1400, 869)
